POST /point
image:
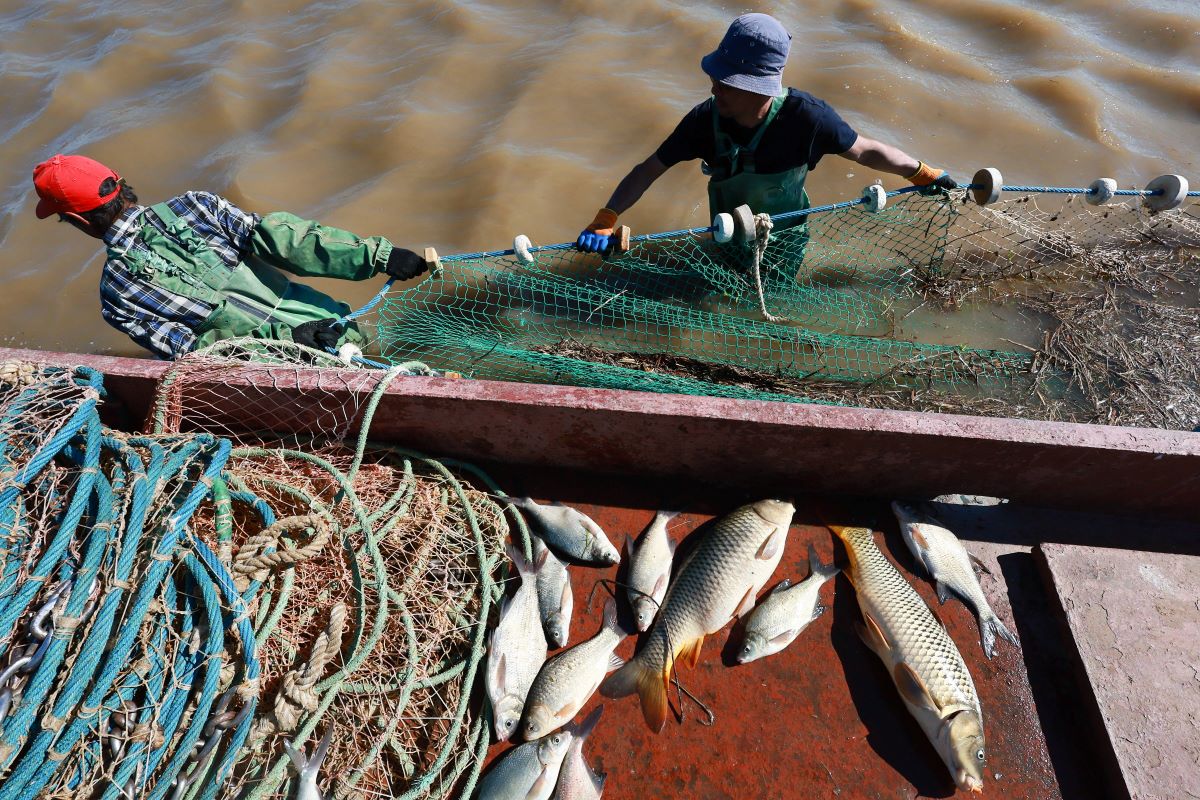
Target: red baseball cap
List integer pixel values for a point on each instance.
(71, 184)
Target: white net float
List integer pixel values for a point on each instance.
(987, 184)
(876, 197)
(348, 353)
(743, 224)
(1101, 191)
(1169, 192)
(521, 246)
(722, 227)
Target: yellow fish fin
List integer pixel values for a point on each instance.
(689, 654)
(649, 681)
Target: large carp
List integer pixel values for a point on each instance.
(920, 656)
(720, 579)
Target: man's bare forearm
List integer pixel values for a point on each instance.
(634, 185)
(883, 157)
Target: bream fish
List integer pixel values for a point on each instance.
(920, 656)
(717, 581)
(945, 559)
(555, 600)
(528, 771)
(570, 533)
(576, 780)
(780, 617)
(570, 678)
(649, 569)
(516, 650)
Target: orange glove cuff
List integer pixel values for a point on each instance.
(604, 223)
(924, 175)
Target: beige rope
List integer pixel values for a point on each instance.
(297, 692)
(762, 231)
(253, 563)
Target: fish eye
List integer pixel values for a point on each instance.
(557, 739)
(979, 754)
(508, 723)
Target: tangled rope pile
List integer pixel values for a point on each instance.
(175, 607)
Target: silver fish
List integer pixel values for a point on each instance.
(576, 780)
(785, 612)
(719, 580)
(945, 559)
(570, 678)
(528, 771)
(309, 768)
(570, 533)
(920, 656)
(516, 650)
(650, 569)
(555, 600)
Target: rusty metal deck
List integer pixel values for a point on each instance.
(822, 718)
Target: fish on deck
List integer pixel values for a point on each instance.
(719, 580)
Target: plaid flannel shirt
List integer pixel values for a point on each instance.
(161, 321)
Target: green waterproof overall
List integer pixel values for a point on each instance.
(734, 181)
(253, 298)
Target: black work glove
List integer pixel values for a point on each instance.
(941, 183)
(321, 334)
(404, 264)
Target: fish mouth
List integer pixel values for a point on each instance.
(969, 783)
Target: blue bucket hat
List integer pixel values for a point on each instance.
(751, 56)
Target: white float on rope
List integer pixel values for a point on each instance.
(987, 184)
(1101, 191)
(1169, 192)
(521, 246)
(722, 228)
(876, 197)
(348, 353)
(743, 224)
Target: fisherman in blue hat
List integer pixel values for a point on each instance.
(758, 142)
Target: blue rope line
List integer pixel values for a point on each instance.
(650, 237)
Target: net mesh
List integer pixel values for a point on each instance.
(177, 608)
(681, 313)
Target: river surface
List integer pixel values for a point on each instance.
(461, 124)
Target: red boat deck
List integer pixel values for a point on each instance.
(820, 719)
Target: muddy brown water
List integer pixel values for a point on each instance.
(460, 124)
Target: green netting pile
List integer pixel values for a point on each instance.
(681, 313)
(834, 281)
(179, 607)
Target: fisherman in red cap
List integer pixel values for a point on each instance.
(757, 141)
(196, 269)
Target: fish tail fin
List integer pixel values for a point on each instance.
(526, 569)
(649, 682)
(826, 571)
(611, 623)
(584, 729)
(989, 626)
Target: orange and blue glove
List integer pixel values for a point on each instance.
(595, 238)
(931, 179)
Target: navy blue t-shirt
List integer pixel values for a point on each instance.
(805, 129)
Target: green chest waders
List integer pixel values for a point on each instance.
(248, 299)
(734, 181)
